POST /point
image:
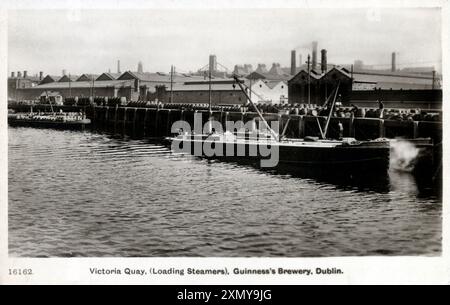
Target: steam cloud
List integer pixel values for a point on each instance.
(403, 155)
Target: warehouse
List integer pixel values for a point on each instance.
(131, 85)
(223, 92)
(367, 86)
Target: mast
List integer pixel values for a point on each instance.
(93, 87)
(70, 87)
(309, 80)
(331, 111)
(256, 108)
(171, 83)
(210, 108)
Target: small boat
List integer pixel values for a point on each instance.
(344, 155)
(62, 120)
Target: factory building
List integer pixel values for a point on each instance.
(21, 81)
(266, 91)
(365, 89)
(304, 88)
(131, 85)
(223, 92)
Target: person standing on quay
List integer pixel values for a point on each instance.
(380, 108)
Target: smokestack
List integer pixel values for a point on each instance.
(19, 74)
(63, 72)
(118, 66)
(212, 63)
(300, 62)
(393, 67)
(25, 74)
(314, 55)
(13, 75)
(41, 75)
(323, 61)
(293, 63)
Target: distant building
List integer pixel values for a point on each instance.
(131, 85)
(266, 91)
(261, 69)
(367, 86)
(276, 73)
(242, 70)
(223, 92)
(21, 81)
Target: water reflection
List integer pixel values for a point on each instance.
(87, 194)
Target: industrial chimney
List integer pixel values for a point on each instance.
(393, 68)
(300, 62)
(118, 66)
(25, 74)
(13, 75)
(140, 68)
(323, 60)
(212, 63)
(41, 75)
(314, 55)
(293, 63)
(19, 74)
(63, 72)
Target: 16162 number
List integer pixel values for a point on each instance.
(17, 271)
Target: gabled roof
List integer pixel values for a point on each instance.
(145, 76)
(108, 76)
(330, 75)
(303, 76)
(274, 83)
(47, 79)
(66, 78)
(87, 77)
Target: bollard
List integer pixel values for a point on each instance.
(351, 130)
(301, 127)
(415, 129)
(382, 130)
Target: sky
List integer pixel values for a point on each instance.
(91, 41)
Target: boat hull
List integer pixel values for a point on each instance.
(370, 156)
(75, 125)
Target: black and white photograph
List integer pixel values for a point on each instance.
(231, 132)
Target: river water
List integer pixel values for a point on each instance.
(90, 194)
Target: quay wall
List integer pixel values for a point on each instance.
(151, 122)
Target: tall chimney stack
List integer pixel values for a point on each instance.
(13, 75)
(19, 74)
(314, 55)
(393, 67)
(300, 62)
(63, 72)
(212, 63)
(293, 63)
(118, 66)
(25, 74)
(41, 75)
(323, 61)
